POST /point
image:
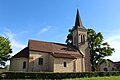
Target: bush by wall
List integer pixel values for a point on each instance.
(51, 75)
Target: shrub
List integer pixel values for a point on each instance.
(52, 75)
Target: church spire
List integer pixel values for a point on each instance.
(78, 22)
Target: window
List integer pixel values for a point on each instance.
(82, 38)
(105, 69)
(40, 62)
(65, 64)
(113, 69)
(24, 65)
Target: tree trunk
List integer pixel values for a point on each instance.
(92, 58)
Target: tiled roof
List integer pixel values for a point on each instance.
(110, 60)
(24, 53)
(55, 49)
(117, 63)
(59, 50)
(3, 70)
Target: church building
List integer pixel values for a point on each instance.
(41, 56)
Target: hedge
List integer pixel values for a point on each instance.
(51, 75)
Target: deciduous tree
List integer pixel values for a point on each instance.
(5, 50)
(98, 48)
(69, 39)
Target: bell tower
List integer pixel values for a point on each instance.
(79, 34)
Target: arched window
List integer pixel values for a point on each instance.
(24, 65)
(65, 64)
(82, 38)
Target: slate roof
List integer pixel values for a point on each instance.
(55, 49)
(78, 22)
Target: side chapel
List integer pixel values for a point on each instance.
(41, 56)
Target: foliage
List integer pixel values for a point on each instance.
(52, 75)
(98, 48)
(5, 50)
(69, 39)
(97, 78)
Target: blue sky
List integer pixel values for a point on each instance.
(49, 20)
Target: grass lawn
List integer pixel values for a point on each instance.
(98, 78)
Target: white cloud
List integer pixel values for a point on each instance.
(44, 29)
(114, 41)
(15, 44)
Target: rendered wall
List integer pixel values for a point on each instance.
(47, 62)
(16, 64)
(73, 65)
(59, 65)
(110, 66)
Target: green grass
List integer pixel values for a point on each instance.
(98, 78)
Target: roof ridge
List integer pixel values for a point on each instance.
(52, 47)
(72, 46)
(40, 41)
(48, 42)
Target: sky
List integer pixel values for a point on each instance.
(50, 20)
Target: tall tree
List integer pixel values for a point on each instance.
(5, 50)
(69, 39)
(98, 48)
